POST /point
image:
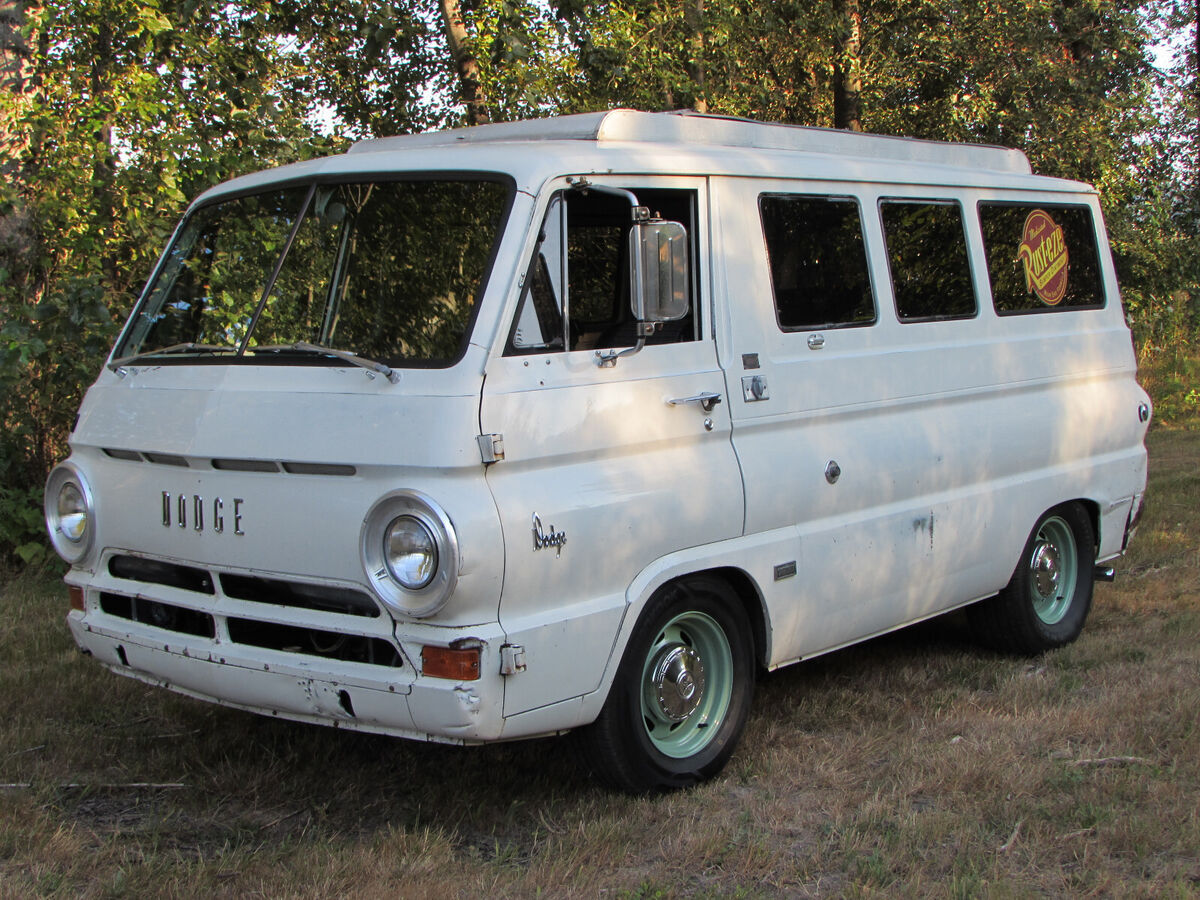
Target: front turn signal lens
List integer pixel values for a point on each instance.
(447, 662)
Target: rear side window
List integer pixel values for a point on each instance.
(1041, 258)
(927, 254)
(818, 261)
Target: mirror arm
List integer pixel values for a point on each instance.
(606, 359)
(638, 212)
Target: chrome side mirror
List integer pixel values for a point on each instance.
(658, 279)
(658, 253)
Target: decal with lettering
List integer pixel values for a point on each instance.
(1043, 253)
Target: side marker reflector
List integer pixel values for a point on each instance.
(445, 662)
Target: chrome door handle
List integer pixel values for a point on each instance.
(706, 399)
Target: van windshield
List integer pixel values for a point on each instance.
(385, 270)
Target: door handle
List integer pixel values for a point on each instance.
(706, 399)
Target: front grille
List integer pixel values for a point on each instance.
(313, 642)
(166, 616)
(302, 596)
(153, 571)
(242, 629)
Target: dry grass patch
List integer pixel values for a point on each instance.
(916, 765)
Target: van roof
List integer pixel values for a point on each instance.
(690, 128)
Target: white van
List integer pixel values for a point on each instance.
(579, 423)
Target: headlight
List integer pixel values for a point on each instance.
(410, 553)
(69, 515)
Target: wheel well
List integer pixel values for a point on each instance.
(743, 585)
(1093, 510)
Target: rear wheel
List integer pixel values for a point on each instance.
(682, 693)
(1048, 598)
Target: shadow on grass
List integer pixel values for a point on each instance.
(250, 781)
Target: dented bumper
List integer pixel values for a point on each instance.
(394, 699)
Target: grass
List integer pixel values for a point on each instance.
(915, 765)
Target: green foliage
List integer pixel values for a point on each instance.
(378, 68)
(130, 108)
(114, 113)
(1172, 377)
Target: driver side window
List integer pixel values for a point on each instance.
(576, 293)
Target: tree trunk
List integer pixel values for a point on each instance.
(693, 16)
(14, 53)
(465, 62)
(15, 79)
(18, 234)
(847, 71)
(104, 164)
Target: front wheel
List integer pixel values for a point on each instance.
(682, 693)
(1048, 598)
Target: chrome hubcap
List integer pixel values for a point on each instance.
(686, 684)
(1046, 568)
(1053, 570)
(676, 684)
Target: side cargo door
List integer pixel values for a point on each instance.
(852, 454)
(602, 473)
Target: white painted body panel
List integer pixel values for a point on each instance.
(952, 438)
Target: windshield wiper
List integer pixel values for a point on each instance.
(189, 347)
(345, 355)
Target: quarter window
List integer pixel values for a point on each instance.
(927, 253)
(1041, 257)
(818, 261)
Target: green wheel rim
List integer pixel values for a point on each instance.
(687, 683)
(1053, 570)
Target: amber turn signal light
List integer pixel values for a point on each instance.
(75, 594)
(447, 662)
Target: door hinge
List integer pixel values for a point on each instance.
(491, 447)
(512, 659)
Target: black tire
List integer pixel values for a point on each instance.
(1049, 595)
(682, 693)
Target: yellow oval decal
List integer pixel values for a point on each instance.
(1043, 253)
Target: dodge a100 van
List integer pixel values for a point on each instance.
(577, 424)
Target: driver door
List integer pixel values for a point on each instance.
(602, 474)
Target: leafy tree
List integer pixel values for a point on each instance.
(1163, 241)
(114, 112)
(375, 68)
(125, 110)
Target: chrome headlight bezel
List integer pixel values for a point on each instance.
(432, 595)
(65, 478)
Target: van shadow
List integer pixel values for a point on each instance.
(251, 780)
